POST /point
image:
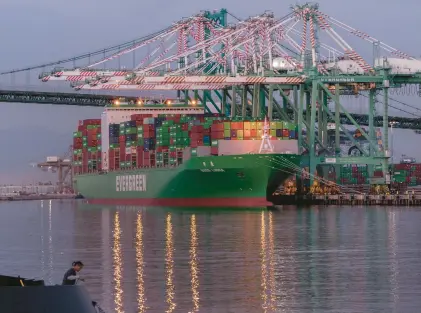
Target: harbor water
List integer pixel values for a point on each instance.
(318, 259)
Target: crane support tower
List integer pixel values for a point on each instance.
(297, 68)
(62, 166)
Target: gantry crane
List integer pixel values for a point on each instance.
(63, 166)
(296, 68)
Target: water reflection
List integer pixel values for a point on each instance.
(393, 259)
(194, 271)
(271, 263)
(141, 299)
(263, 261)
(50, 243)
(169, 262)
(336, 260)
(118, 262)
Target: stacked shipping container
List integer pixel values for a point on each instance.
(409, 174)
(354, 175)
(147, 141)
(87, 147)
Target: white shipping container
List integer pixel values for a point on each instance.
(232, 147)
(52, 159)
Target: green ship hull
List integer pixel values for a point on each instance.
(230, 180)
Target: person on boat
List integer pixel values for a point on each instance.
(71, 276)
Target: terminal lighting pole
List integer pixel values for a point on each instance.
(392, 123)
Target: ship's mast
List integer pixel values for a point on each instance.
(266, 145)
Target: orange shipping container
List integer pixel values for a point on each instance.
(247, 133)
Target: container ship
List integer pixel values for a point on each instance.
(173, 154)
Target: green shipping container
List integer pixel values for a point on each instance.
(227, 126)
(77, 134)
(401, 173)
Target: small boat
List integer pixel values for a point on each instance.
(19, 295)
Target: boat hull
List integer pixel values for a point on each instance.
(232, 180)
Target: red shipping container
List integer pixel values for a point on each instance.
(217, 135)
(185, 127)
(217, 127)
(193, 144)
(139, 157)
(197, 129)
(122, 138)
(196, 136)
(214, 150)
(92, 122)
(147, 127)
(285, 133)
(81, 128)
(253, 133)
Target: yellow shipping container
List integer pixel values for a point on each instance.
(260, 133)
(253, 125)
(273, 125)
(279, 125)
(240, 133)
(259, 125)
(247, 125)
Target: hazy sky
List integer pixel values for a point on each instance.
(34, 32)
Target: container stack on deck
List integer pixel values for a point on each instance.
(147, 141)
(409, 174)
(354, 175)
(87, 147)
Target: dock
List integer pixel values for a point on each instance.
(350, 199)
(37, 197)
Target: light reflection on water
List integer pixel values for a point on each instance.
(169, 263)
(194, 270)
(118, 262)
(141, 298)
(350, 259)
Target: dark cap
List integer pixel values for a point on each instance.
(77, 263)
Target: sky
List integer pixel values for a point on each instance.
(34, 32)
